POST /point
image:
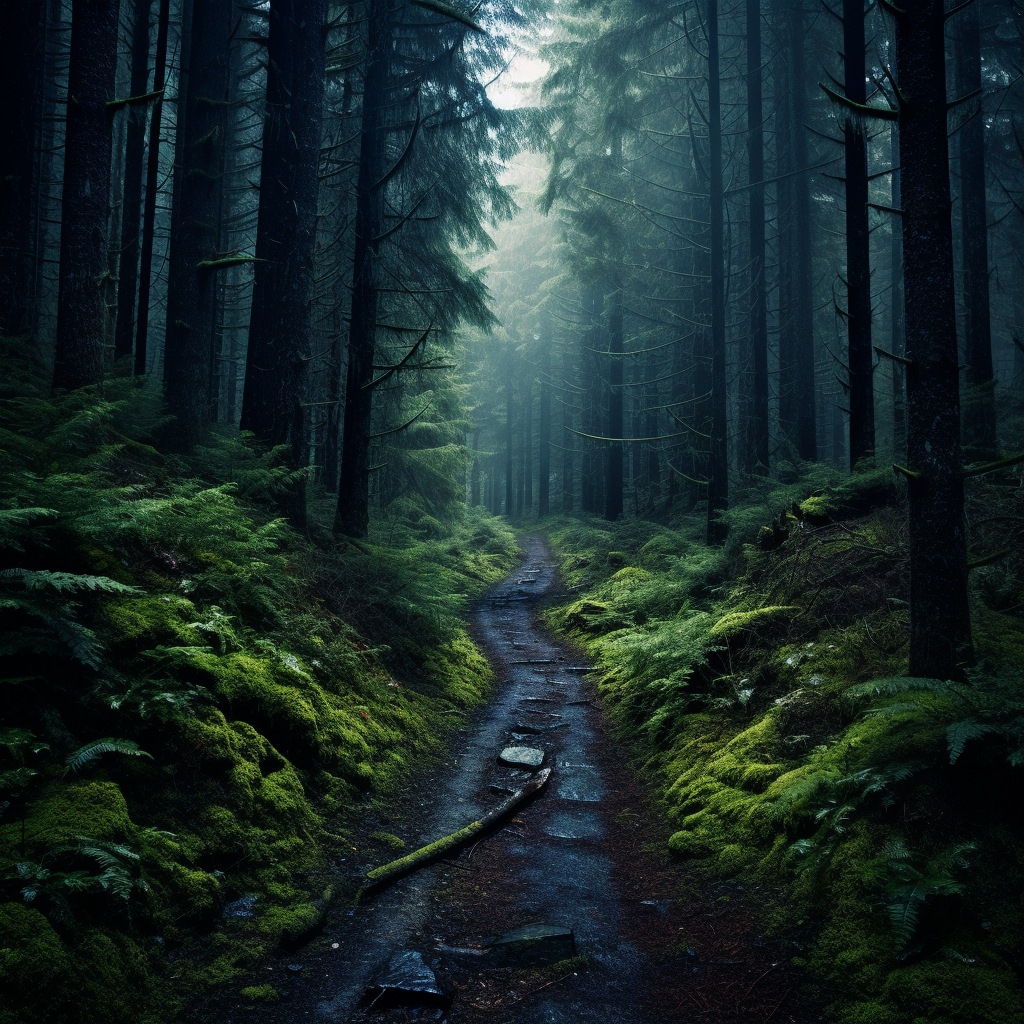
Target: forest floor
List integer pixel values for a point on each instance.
(655, 940)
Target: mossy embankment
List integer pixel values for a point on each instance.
(195, 699)
(762, 685)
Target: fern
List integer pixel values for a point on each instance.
(13, 522)
(936, 879)
(987, 706)
(109, 745)
(42, 579)
(57, 878)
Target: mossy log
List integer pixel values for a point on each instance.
(381, 876)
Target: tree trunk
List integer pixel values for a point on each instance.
(756, 412)
(195, 231)
(718, 464)
(528, 445)
(613, 483)
(544, 432)
(899, 395)
(131, 207)
(858, 252)
(805, 398)
(509, 439)
(21, 63)
(940, 626)
(569, 439)
(353, 517)
(78, 359)
(474, 473)
(979, 407)
(280, 341)
(149, 209)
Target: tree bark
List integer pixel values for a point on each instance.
(131, 206)
(149, 208)
(78, 359)
(280, 330)
(897, 343)
(940, 627)
(509, 442)
(756, 455)
(614, 467)
(718, 465)
(544, 427)
(21, 63)
(858, 252)
(805, 397)
(195, 229)
(353, 516)
(979, 407)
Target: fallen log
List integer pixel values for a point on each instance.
(386, 873)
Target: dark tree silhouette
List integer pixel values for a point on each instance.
(940, 625)
(21, 65)
(198, 180)
(131, 206)
(280, 340)
(78, 358)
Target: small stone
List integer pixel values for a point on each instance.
(522, 757)
(408, 977)
(241, 907)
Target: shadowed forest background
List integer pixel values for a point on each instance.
(307, 307)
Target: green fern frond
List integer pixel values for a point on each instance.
(41, 579)
(13, 522)
(109, 745)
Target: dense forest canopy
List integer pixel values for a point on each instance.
(303, 302)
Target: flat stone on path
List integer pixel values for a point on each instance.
(408, 975)
(522, 757)
(535, 944)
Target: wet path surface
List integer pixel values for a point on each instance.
(653, 944)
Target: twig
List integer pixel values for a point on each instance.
(776, 1010)
(763, 976)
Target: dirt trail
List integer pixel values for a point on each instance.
(654, 943)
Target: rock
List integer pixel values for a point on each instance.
(537, 729)
(306, 920)
(241, 907)
(522, 757)
(534, 944)
(408, 978)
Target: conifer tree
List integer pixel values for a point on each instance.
(280, 341)
(430, 143)
(78, 357)
(21, 63)
(193, 278)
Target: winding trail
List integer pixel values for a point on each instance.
(655, 943)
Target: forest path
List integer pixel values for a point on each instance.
(654, 943)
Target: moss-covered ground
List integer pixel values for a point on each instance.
(763, 686)
(195, 700)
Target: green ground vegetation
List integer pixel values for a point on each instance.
(763, 685)
(195, 699)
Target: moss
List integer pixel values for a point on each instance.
(395, 842)
(260, 994)
(64, 810)
(105, 977)
(156, 619)
(34, 965)
(734, 624)
(947, 991)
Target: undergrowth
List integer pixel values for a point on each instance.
(764, 685)
(194, 700)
